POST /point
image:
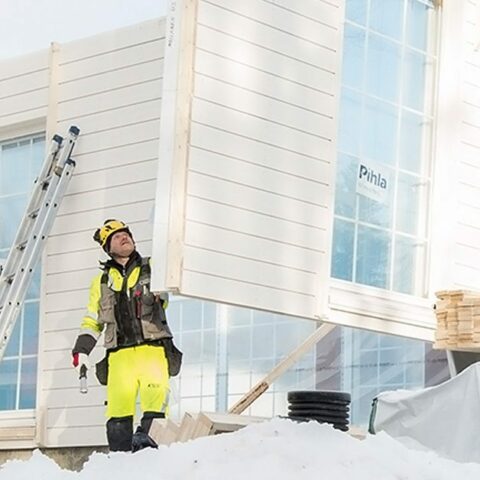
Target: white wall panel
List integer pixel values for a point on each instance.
(464, 164)
(110, 87)
(255, 109)
(24, 89)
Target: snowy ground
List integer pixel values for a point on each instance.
(276, 450)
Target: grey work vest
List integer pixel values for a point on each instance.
(144, 309)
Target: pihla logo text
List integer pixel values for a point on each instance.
(371, 176)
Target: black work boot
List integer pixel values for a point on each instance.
(119, 434)
(141, 439)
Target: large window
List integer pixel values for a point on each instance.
(227, 350)
(20, 162)
(383, 171)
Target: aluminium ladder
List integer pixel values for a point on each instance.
(48, 191)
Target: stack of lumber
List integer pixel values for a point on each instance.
(202, 424)
(458, 320)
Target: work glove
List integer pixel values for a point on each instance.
(80, 359)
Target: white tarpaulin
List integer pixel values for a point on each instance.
(444, 418)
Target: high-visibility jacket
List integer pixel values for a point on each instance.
(122, 304)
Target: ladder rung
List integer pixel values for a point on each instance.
(21, 246)
(9, 278)
(33, 213)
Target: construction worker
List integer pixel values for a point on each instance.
(140, 352)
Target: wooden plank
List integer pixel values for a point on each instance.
(238, 243)
(23, 102)
(261, 130)
(288, 191)
(250, 271)
(24, 83)
(319, 122)
(113, 61)
(259, 34)
(253, 223)
(206, 138)
(107, 42)
(323, 33)
(258, 80)
(105, 179)
(263, 385)
(17, 433)
(110, 100)
(24, 65)
(112, 119)
(186, 427)
(225, 290)
(113, 80)
(263, 59)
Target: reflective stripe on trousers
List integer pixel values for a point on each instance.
(133, 370)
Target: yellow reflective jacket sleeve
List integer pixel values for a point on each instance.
(90, 320)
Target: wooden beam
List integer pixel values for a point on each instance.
(283, 366)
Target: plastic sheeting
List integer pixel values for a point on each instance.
(444, 418)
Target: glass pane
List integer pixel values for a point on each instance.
(14, 163)
(191, 315)
(353, 56)
(367, 340)
(408, 203)
(417, 23)
(8, 384)
(411, 142)
(356, 11)
(414, 80)
(373, 257)
(386, 16)
(378, 213)
(38, 156)
(260, 317)
(239, 316)
(239, 343)
(192, 346)
(342, 254)
(379, 131)
(262, 341)
(209, 346)
(28, 386)
(407, 251)
(383, 68)
(350, 121)
(173, 316)
(11, 212)
(13, 346)
(30, 328)
(33, 291)
(209, 315)
(345, 187)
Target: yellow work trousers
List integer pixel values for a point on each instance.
(132, 370)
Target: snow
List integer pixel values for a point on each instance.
(275, 450)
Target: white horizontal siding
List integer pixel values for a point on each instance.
(466, 163)
(24, 89)
(110, 87)
(261, 150)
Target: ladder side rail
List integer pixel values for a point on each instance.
(23, 278)
(35, 200)
(15, 280)
(24, 234)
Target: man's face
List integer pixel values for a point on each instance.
(121, 245)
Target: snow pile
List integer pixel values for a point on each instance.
(274, 450)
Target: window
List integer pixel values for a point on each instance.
(383, 173)
(20, 162)
(227, 350)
